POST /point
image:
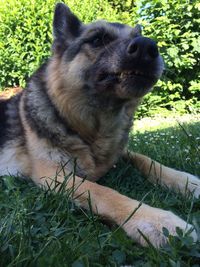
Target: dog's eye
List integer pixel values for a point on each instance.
(99, 40)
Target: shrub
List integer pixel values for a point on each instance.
(26, 33)
(175, 25)
(25, 37)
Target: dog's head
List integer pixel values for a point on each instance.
(105, 60)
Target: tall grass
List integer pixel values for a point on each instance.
(41, 228)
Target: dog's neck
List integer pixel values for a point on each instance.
(84, 116)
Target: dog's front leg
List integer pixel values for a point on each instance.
(157, 173)
(130, 214)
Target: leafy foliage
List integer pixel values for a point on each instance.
(24, 39)
(175, 26)
(26, 35)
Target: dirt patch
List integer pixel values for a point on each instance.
(9, 92)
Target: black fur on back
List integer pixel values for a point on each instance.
(3, 122)
(10, 123)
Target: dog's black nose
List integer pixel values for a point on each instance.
(142, 48)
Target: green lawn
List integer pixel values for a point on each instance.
(40, 228)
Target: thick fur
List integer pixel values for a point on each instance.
(75, 116)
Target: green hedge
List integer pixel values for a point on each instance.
(26, 33)
(26, 36)
(176, 27)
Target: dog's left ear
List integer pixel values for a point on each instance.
(66, 26)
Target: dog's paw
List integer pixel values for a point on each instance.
(150, 222)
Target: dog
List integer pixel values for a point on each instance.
(75, 115)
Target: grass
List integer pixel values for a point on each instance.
(40, 228)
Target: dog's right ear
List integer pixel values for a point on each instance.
(66, 26)
(137, 31)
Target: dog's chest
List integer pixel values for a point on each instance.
(110, 140)
(108, 144)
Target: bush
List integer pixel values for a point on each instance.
(25, 37)
(26, 33)
(175, 25)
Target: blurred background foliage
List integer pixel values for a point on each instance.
(26, 36)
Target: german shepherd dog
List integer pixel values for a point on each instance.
(75, 116)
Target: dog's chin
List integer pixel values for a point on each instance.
(126, 86)
(134, 87)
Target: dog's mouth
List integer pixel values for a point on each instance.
(123, 76)
(126, 83)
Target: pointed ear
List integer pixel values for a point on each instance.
(66, 26)
(137, 31)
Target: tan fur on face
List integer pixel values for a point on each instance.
(66, 79)
(65, 89)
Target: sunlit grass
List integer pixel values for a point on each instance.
(40, 228)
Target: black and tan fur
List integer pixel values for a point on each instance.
(78, 109)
